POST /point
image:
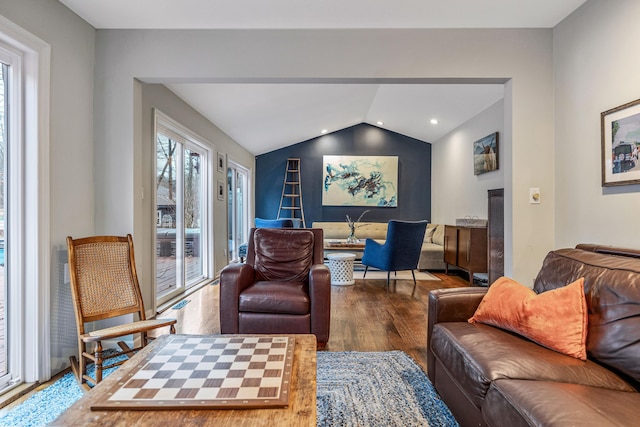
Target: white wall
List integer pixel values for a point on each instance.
(72, 59)
(521, 57)
(455, 191)
(596, 68)
(158, 96)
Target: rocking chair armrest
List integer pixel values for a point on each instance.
(127, 329)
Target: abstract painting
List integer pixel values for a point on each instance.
(360, 181)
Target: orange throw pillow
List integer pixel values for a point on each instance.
(555, 319)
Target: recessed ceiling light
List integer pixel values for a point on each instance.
(324, 131)
(434, 121)
(380, 123)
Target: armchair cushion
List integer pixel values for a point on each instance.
(275, 297)
(278, 259)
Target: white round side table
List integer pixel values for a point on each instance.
(341, 268)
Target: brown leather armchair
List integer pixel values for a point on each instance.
(283, 288)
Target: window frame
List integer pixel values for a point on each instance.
(28, 203)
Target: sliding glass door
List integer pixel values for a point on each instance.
(238, 208)
(182, 200)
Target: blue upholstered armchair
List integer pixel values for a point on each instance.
(401, 250)
(273, 223)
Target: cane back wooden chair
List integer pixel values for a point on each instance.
(104, 285)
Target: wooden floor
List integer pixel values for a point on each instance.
(364, 317)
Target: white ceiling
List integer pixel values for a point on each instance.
(265, 117)
(323, 13)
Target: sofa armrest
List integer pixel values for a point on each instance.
(454, 305)
(450, 305)
(234, 278)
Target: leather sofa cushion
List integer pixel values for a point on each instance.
(282, 254)
(517, 403)
(612, 289)
(275, 297)
(477, 354)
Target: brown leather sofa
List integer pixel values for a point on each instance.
(491, 377)
(283, 288)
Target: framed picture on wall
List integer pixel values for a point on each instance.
(620, 134)
(222, 162)
(220, 190)
(485, 154)
(360, 181)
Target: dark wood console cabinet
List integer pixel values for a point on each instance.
(466, 248)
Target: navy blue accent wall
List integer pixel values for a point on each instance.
(414, 174)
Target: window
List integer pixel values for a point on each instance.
(238, 206)
(183, 195)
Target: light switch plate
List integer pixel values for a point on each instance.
(534, 196)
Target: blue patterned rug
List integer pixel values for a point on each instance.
(354, 389)
(376, 389)
(46, 405)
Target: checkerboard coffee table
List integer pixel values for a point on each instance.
(208, 380)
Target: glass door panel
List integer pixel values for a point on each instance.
(192, 216)
(238, 209)
(166, 220)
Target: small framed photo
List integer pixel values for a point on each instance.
(222, 162)
(620, 133)
(485, 154)
(220, 190)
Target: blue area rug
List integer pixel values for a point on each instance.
(46, 405)
(376, 389)
(354, 389)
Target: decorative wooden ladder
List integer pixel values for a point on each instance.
(291, 200)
